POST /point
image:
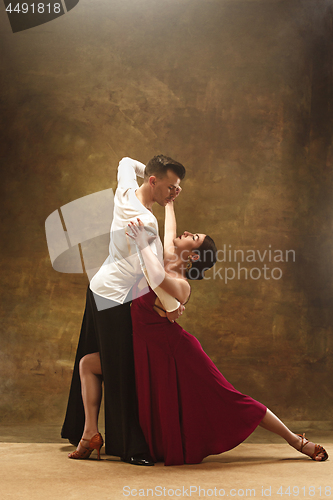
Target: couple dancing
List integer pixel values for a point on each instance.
(184, 409)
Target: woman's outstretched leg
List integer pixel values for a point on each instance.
(91, 389)
(272, 423)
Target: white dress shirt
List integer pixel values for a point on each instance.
(122, 268)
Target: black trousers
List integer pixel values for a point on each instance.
(108, 332)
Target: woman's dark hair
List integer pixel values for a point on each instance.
(207, 258)
(159, 165)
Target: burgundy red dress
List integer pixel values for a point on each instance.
(187, 409)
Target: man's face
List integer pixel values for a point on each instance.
(165, 189)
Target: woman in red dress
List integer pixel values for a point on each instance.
(187, 409)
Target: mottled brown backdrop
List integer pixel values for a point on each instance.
(240, 91)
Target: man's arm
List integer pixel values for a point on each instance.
(176, 287)
(128, 171)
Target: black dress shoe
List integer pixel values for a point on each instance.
(140, 459)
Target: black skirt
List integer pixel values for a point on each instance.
(109, 332)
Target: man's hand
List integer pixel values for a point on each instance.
(173, 315)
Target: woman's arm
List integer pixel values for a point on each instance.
(170, 228)
(175, 287)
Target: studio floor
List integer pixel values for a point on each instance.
(34, 466)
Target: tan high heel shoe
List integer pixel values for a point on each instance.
(318, 449)
(95, 443)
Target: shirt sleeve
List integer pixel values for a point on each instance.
(169, 303)
(128, 171)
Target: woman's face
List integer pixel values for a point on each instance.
(188, 242)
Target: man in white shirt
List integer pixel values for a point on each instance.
(106, 333)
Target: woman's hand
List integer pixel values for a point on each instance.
(177, 192)
(139, 234)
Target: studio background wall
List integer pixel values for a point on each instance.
(240, 92)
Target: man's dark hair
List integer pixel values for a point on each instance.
(159, 165)
(207, 252)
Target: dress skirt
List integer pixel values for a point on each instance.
(109, 332)
(187, 409)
